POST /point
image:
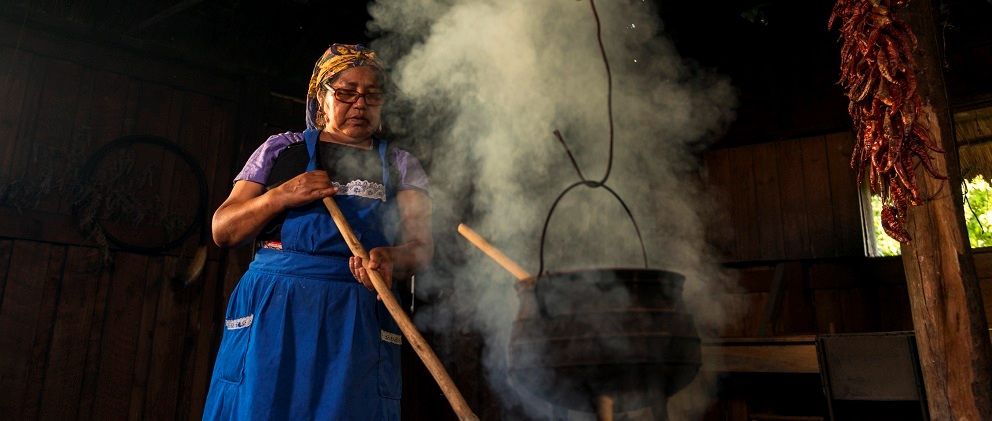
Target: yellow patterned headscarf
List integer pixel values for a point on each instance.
(337, 58)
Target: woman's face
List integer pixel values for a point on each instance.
(353, 123)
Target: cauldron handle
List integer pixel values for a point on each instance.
(609, 164)
(542, 307)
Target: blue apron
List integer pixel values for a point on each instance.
(303, 339)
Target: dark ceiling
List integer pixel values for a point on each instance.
(779, 53)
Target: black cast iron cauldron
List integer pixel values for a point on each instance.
(624, 333)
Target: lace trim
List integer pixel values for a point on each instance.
(363, 188)
(235, 324)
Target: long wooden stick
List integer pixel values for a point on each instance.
(604, 408)
(494, 253)
(406, 326)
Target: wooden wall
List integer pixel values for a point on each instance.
(82, 340)
(796, 203)
(790, 199)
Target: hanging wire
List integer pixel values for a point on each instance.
(609, 88)
(609, 165)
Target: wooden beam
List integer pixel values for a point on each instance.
(780, 354)
(167, 13)
(948, 315)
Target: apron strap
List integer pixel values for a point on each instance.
(311, 136)
(385, 166)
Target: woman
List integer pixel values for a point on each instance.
(303, 339)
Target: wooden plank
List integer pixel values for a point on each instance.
(24, 293)
(755, 302)
(846, 193)
(16, 67)
(233, 271)
(6, 248)
(102, 283)
(144, 360)
(170, 166)
(797, 314)
(76, 144)
(159, 114)
(51, 285)
(886, 270)
(894, 311)
(109, 108)
(796, 356)
(196, 127)
(755, 279)
(203, 331)
(792, 191)
(983, 263)
(66, 364)
(720, 231)
(769, 208)
(835, 276)
(49, 170)
(744, 204)
(829, 312)
(819, 203)
(169, 346)
(119, 342)
(21, 151)
(986, 286)
(223, 122)
(859, 308)
(735, 305)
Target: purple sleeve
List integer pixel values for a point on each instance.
(260, 163)
(412, 175)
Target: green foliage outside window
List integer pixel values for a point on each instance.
(884, 245)
(977, 215)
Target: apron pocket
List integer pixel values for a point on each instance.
(230, 365)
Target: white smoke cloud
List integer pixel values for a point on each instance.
(485, 83)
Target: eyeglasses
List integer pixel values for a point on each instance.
(349, 96)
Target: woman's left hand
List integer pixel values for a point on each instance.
(380, 261)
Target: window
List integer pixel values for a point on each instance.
(974, 135)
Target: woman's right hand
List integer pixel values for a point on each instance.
(305, 188)
(249, 206)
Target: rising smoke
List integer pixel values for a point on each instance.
(486, 83)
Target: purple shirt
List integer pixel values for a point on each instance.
(412, 175)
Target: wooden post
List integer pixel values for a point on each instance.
(948, 315)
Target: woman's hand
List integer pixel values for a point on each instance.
(305, 188)
(250, 207)
(380, 261)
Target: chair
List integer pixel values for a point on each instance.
(872, 376)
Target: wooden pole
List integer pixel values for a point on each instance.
(417, 341)
(604, 408)
(473, 237)
(948, 315)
